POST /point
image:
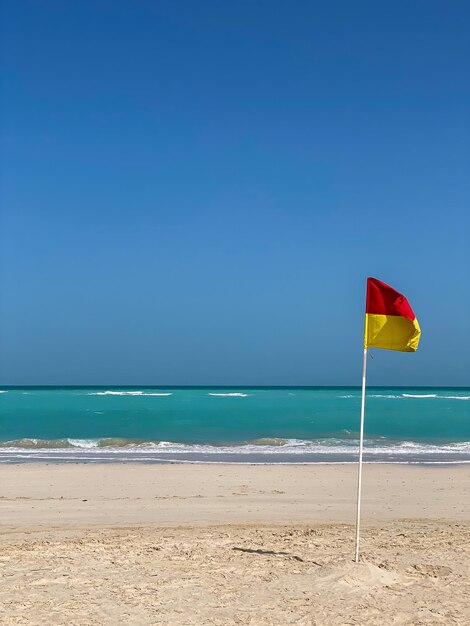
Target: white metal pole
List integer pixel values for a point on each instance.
(361, 445)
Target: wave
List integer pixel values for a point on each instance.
(127, 393)
(421, 395)
(27, 443)
(409, 395)
(434, 395)
(392, 396)
(230, 395)
(383, 395)
(3, 391)
(264, 446)
(270, 441)
(64, 443)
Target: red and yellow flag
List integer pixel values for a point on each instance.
(390, 322)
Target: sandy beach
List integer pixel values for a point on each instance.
(233, 544)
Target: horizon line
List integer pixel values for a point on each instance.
(230, 386)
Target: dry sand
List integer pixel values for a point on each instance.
(221, 544)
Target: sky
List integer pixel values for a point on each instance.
(194, 193)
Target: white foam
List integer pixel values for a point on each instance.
(127, 393)
(83, 443)
(229, 395)
(293, 447)
(435, 395)
(3, 391)
(419, 395)
(412, 395)
(386, 395)
(456, 397)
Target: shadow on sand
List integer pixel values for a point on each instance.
(268, 553)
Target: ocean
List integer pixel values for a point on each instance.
(251, 425)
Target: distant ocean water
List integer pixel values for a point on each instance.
(260, 425)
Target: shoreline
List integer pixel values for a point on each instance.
(231, 460)
(132, 461)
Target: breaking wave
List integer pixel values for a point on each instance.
(403, 396)
(421, 395)
(230, 395)
(458, 397)
(128, 393)
(265, 450)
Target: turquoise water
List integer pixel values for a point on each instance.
(268, 424)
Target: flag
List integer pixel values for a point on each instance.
(390, 323)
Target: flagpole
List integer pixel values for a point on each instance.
(361, 445)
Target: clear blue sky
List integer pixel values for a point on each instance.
(195, 192)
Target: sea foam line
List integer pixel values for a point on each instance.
(296, 447)
(230, 395)
(420, 395)
(127, 393)
(402, 396)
